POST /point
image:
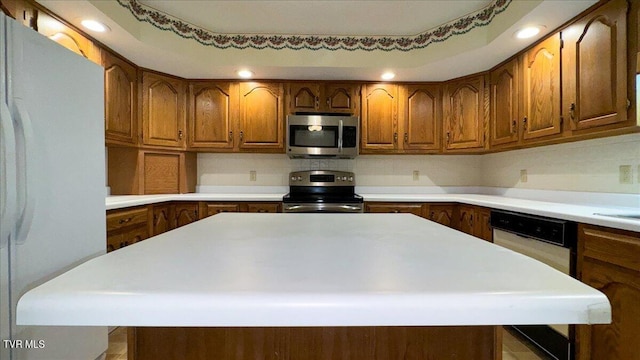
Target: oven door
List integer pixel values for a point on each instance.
(556, 339)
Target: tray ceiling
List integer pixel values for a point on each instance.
(333, 40)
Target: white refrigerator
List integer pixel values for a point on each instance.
(52, 184)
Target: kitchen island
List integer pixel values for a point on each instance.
(237, 286)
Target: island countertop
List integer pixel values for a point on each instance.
(312, 270)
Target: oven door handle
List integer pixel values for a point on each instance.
(323, 208)
(340, 136)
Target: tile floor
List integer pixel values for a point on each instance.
(512, 347)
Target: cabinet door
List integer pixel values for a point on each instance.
(609, 260)
(120, 100)
(541, 89)
(261, 117)
(422, 117)
(483, 228)
(185, 213)
(304, 97)
(594, 73)
(58, 32)
(162, 219)
(126, 237)
(163, 115)
(465, 220)
(504, 104)
(263, 207)
(394, 208)
(379, 117)
(213, 112)
(213, 208)
(442, 214)
(464, 113)
(341, 98)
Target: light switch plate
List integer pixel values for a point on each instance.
(523, 175)
(252, 175)
(416, 175)
(626, 174)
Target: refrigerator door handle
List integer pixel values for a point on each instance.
(8, 181)
(27, 210)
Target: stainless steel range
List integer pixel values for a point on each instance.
(322, 191)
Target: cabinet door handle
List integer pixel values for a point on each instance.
(317, 102)
(180, 134)
(124, 221)
(572, 111)
(513, 126)
(395, 137)
(433, 215)
(395, 211)
(406, 138)
(241, 136)
(524, 123)
(448, 137)
(230, 136)
(262, 210)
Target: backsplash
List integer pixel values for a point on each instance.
(586, 166)
(371, 170)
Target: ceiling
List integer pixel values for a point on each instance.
(343, 40)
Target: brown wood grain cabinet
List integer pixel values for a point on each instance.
(442, 214)
(212, 208)
(261, 124)
(163, 110)
(162, 218)
(213, 114)
(394, 208)
(594, 68)
(120, 101)
(264, 207)
(379, 118)
(474, 220)
(63, 34)
(421, 123)
(541, 99)
(609, 260)
(126, 227)
(323, 97)
(505, 127)
(209, 209)
(185, 213)
(465, 110)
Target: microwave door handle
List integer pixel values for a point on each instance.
(340, 137)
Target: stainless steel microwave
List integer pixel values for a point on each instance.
(322, 136)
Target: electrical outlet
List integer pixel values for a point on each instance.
(252, 175)
(416, 175)
(523, 175)
(626, 174)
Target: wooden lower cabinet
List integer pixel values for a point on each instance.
(162, 218)
(126, 227)
(442, 214)
(212, 208)
(609, 260)
(185, 213)
(315, 343)
(474, 220)
(384, 207)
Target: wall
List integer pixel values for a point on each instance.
(586, 166)
(371, 170)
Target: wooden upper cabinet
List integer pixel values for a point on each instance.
(120, 99)
(62, 34)
(304, 97)
(504, 116)
(379, 117)
(261, 125)
(541, 89)
(594, 73)
(341, 98)
(323, 97)
(163, 110)
(464, 113)
(421, 126)
(213, 114)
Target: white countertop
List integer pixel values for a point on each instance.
(312, 270)
(579, 213)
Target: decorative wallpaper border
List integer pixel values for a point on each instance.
(440, 33)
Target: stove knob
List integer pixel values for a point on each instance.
(293, 178)
(299, 178)
(344, 178)
(351, 178)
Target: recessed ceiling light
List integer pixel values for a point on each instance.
(245, 74)
(528, 32)
(388, 75)
(94, 25)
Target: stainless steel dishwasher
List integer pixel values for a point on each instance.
(553, 242)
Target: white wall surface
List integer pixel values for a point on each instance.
(585, 166)
(588, 166)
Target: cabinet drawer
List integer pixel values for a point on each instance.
(121, 239)
(263, 208)
(410, 208)
(612, 246)
(120, 219)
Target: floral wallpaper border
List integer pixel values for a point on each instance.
(440, 33)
